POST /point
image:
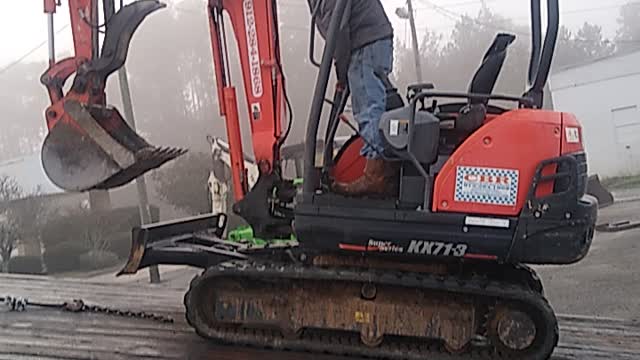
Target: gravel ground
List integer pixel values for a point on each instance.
(607, 282)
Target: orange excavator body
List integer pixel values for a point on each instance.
(436, 268)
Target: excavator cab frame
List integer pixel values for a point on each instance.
(538, 73)
(442, 166)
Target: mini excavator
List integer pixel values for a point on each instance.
(437, 269)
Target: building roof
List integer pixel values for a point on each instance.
(29, 173)
(599, 70)
(615, 55)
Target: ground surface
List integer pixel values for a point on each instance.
(605, 285)
(53, 334)
(607, 281)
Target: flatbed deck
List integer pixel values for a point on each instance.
(54, 334)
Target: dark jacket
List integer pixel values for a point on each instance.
(367, 23)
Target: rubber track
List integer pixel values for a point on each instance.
(350, 345)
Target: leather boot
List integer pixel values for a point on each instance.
(373, 182)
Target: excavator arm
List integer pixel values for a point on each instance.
(89, 145)
(255, 28)
(265, 205)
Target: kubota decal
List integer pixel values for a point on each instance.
(486, 185)
(253, 49)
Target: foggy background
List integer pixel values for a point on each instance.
(171, 74)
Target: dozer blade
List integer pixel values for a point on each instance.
(195, 241)
(98, 150)
(597, 190)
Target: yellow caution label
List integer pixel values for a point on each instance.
(361, 317)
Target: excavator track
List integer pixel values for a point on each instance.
(267, 305)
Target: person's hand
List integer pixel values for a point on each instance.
(342, 69)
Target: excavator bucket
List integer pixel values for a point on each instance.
(98, 150)
(91, 146)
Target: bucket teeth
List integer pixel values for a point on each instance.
(146, 159)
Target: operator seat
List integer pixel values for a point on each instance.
(472, 116)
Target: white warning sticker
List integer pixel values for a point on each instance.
(487, 185)
(486, 222)
(573, 135)
(394, 126)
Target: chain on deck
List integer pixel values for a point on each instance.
(20, 304)
(349, 344)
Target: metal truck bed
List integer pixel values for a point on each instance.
(55, 334)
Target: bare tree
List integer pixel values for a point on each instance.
(9, 191)
(183, 183)
(628, 36)
(22, 216)
(8, 241)
(96, 234)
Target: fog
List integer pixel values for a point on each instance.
(172, 83)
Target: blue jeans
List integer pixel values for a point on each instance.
(368, 96)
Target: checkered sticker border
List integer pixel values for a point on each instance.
(509, 196)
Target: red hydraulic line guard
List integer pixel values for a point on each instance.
(228, 104)
(216, 48)
(240, 183)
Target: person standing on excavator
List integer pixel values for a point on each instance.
(364, 47)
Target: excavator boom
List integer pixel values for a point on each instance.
(255, 26)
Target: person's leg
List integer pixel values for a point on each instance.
(377, 56)
(368, 99)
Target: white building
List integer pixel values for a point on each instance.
(604, 94)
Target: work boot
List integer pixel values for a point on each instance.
(373, 182)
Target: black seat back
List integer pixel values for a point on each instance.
(487, 74)
(471, 117)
